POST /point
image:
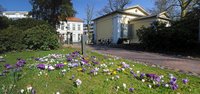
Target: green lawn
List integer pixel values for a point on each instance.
(111, 82)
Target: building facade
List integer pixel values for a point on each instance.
(14, 15)
(122, 26)
(70, 30)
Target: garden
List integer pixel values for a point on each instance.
(66, 71)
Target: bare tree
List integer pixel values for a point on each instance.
(114, 5)
(1, 9)
(175, 8)
(89, 17)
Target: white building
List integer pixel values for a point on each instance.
(16, 14)
(70, 31)
(121, 26)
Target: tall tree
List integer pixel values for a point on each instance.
(114, 5)
(52, 10)
(89, 17)
(174, 7)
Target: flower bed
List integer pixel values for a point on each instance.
(87, 74)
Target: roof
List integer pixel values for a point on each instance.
(140, 8)
(74, 19)
(120, 12)
(148, 17)
(15, 11)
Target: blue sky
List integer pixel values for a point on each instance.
(79, 5)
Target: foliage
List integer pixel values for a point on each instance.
(4, 22)
(27, 23)
(181, 36)
(52, 10)
(114, 5)
(11, 38)
(41, 37)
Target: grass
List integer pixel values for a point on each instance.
(52, 82)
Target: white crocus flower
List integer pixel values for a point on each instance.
(57, 92)
(143, 80)
(78, 82)
(166, 85)
(137, 72)
(22, 90)
(124, 85)
(29, 88)
(149, 86)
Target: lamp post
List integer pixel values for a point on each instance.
(199, 30)
(83, 48)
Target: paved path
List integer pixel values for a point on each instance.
(171, 62)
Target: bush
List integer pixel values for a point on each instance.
(41, 37)
(176, 38)
(11, 39)
(4, 22)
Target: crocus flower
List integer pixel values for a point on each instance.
(50, 68)
(142, 76)
(132, 72)
(174, 87)
(41, 66)
(59, 65)
(20, 63)
(22, 90)
(124, 85)
(8, 66)
(124, 65)
(69, 59)
(185, 81)
(131, 89)
(78, 82)
(33, 91)
(95, 62)
(73, 77)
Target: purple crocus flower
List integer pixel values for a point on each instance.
(60, 65)
(124, 65)
(157, 79)
(151, 76)
(20, 63)
(73, 77)
(131, 89)
(174, 87)
(173, 81)
(41, 66)
(142, 75)
(8, 66)
(75, 65)
(84, 69)
(185, 81)
(37, 59)
(83, 61)
(132, 72)
(95, 62)
(69, 59)
(33, 91)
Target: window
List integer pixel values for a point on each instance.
(62, 26)
(79, 27)
(136, 10)
(73, 27)
(68, 26)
